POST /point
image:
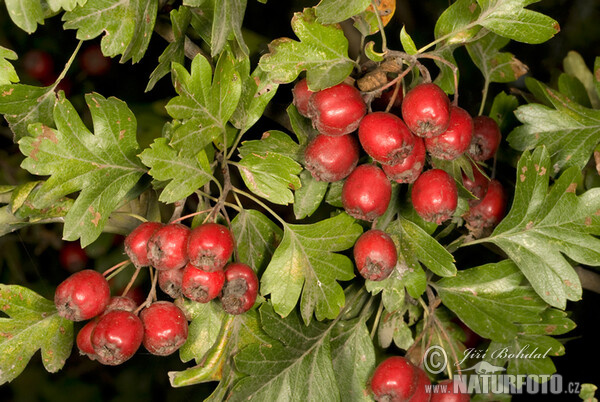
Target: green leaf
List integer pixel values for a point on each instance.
(407, 42)
(301, 126)
(502, 110)
(334, 194)
(67, 5)
(145, 17)
(588, 391)
(445, 78)
(308, 197)
(495, 66)
(227, 23)
(575, 66)
(32, 324)
(458, 23)
(392, 327)
(26, 14)
(103, 167)
(332, 11)
(573, 89)
(272, 141)
(22, 105)
(322, 52)
(305, 264)
(205, 326)
(7, 71)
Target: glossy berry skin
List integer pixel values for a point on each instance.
(117, 336)
(170, 282)
(478, 186)
(395, 379)
(167, 247)
(490, 210)
(449, 395)
(375, 255)
(84, 339)
(93, 62)
(120, 303)
(366, 192)
(486, 139)
(337, 110)
(136, 243)
(434, 196)
(407, 170)
(72, 257)
(210, 246)
(240, 289)
(331, 158)
(201, 286)
(301, 97)
(385, 137)
(426, 110)
(423, 383)
(165, 328)
(38, 64)
(455, 141)
(82, 295)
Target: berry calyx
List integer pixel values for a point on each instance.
(434, 196)
(170, 282)
(426, 110)
(117, 336)
(385, 137)
(366, 192)
(478, 186)
(72, 257)
(165, 328)
(409, 168)
(201, 286)
(136, 243)
(84, 340)
(120, 303)
(375, 255)
(455, 141)
(240, 289)
(302, 95)
(82, 295)
(449, 391)
(486, 138)
(167, 247)
(331, 158)
(337, 110)
(210, 246)
(490, 210)
(395, 379)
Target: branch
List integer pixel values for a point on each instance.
(589, 280)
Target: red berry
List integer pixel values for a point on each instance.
(337, 110)
(366, 193)
(434, 196)
(72, 257)
(385, 137)
(117, 336)
(84, 339)
(136, 243)
(38, 64)
(120, 303)
(395, 379)
(407, 170)
(301, 96)
(331, 158)
(478, 186)
(375, 255)
(486, 138)
(426, 110)
(201, 286)
(167, 247)
(456, 139)
(165, 328)
(93, 62)
(384, 99)
(452, 393)
(82, 295)
(170, 282)
(240, 289)
(423, 387)
(490, 210)
(210, 246)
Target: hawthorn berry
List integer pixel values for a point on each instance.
(165, 328)
(136, 243)
(302, 95)
(375, 255)
(82, 295)
(395, 379)
(478, 186)
(93, 62)
(490, 210)
(117, 336)
(407, 170)
(449, 394)
(455, 141)
(426, 110)
(366, 192)
(240, 289)
(486, 138)
(120, 303)
(167, 247)
(337, 110)
(72, 257)
(434, 196)
(385, 137)
(201, 286)
(381, 103)
(38, 64)
(170, 282)
(210, 246)
(331, 158)
(423, 386)
(84, 339)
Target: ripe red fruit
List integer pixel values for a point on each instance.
(84, 339)
(93, 62)
(38, 64)
(423, 386)
(426, 110)
(375, 255)
(72, 257)
(455, 141)
(331, 158)
(167, 247)
(478, 186)
(385, 137)
(210, 246)
(490, 210)
(170, 282)
(301, 96)
(337, 110)
(366, 192)
(165, 328)
(136, 243)
(396, 379)
(120, 303)
(486, 138)
(117, 336)
(82, 295)
(449, 395)
(240, 289)
(407, 170)
(383, 101)
(201, 286)
(434, 196)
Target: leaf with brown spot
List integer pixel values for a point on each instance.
(22, 105)
(496, 66)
